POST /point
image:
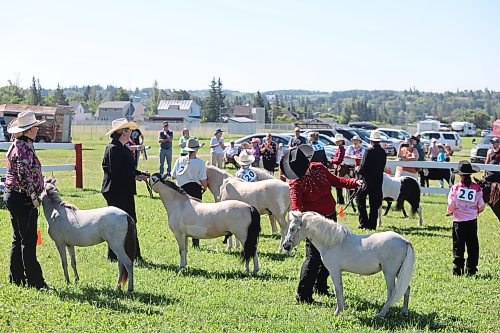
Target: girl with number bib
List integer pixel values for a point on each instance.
(190, 173)
(465, 202)
(245, 173)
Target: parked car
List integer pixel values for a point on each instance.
(398, 135)
(451, 138)
(328, 132)
(386, 143)
(485, 132)
(363, 125)
(478, 154)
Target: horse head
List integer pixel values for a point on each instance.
(294, 234)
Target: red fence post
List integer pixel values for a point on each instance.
(79, 165)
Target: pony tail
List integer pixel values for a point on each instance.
(250, 246)
(467, 180)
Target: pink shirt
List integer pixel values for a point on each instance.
(464, 210)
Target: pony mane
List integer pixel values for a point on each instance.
(262, 174)
(219, 171)
(55, 197)
(327, 231)
(178, 189)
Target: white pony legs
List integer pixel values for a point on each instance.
(274, 228)
(182, 241)
(61, 247)
(380, 216)
(71, 250)
(420, 220)
(339, 290)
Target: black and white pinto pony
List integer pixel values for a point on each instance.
(341, 250)
(70, 227)
(189, 217)
(401, 189)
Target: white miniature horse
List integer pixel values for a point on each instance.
(189, 217)
(401, 189)
(70, 227)
(341, 250)
(270, 196)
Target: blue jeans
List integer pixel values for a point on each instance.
(165, 153)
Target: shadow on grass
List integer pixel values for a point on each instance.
(198, 272)
(110, 299)
(395, 320)
(427, 231)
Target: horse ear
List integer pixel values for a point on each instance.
(54, 180)
(295, 214)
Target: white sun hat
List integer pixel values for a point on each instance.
(121, 123)
(245, 158)
(375, 136)
(24, 121)
(339, 137)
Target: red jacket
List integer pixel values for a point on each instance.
(339, 156)
(313, 193)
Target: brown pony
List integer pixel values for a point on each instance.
(491, 194)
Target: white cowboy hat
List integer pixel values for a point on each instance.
(355, 138)
(24, 121)
(193, 144)
(339, 137)
(244, 158)
(121, 123)
(375, 136)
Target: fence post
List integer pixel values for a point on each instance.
(79, 165)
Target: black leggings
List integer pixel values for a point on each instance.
(269, 165)
(24, 267)
(194, 190)
(465, 234)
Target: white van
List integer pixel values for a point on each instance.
(451, 138)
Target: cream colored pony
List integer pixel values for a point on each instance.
(343, 251)
(189, 217)
(270, 196)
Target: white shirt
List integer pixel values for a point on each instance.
(217, 149)
(187, 170)
(352, 151)
(247, 174)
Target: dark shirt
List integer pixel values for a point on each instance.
(119, 169)
(296, 141)
(421, 154)
(269, 154)
(319, 154)
(166, 144)
(373, 166)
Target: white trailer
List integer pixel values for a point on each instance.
(428, 125)
(464, 128)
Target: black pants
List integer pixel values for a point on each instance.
(313, 273)
(194, 190)
(375, 198)
(24, 267)
(465, 234)
(125, 202)
(269, 164)
(340, 196)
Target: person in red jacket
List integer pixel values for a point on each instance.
(311, 190)
(337, 160)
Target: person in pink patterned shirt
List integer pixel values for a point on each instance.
(465, 202)
(23, 186)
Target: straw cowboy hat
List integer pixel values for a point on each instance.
(339, 137)
(121, 123)
(244, 158)
(295, 162)
(245, 145)
(193, 144)
(375, 136)
(24, 121)
(465, 168)
(355, 138)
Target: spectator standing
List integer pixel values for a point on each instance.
(448, 151)
(217, 149)
(23, 187)
(256, 152)
(297, 139)
(433, 150)
(407, 153)
(355, 151)
(465, 202)
(183, 140)
(319, 150)
(372, 170)
(337, 160)
(138, 139)
(165, 139)
(493, 157)
(441, 158)
(268, 152)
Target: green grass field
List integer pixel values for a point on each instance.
(212, 294)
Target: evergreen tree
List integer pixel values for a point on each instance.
(155, 98)
(181, 95)
(86, 94)
(34, 99)
(39, 92)
(121, 95)
(59, 97)
(211, 110)
(258, 101)
(220, 98)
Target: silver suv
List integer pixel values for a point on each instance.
(478, 154)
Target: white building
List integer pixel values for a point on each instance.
(178, 111)
(79, 112)
(241, 125)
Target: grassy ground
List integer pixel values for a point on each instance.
(212, 295)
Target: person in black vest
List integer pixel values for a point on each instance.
(372, 170)
(120, 174)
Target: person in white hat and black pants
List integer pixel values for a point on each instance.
(120, 174)
(23, 186)
(372, 170)
(190, 173)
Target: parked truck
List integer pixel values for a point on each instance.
(428, 125)
(464, 128)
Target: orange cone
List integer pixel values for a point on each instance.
(39, 237)
(341, 212)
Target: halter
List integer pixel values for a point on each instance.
(150, 187)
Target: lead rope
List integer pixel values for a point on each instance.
(150, 189)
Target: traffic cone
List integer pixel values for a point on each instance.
(39, 237)
(341, 211)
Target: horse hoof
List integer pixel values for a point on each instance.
(404, 312)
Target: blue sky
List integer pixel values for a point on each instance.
(253, 45)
